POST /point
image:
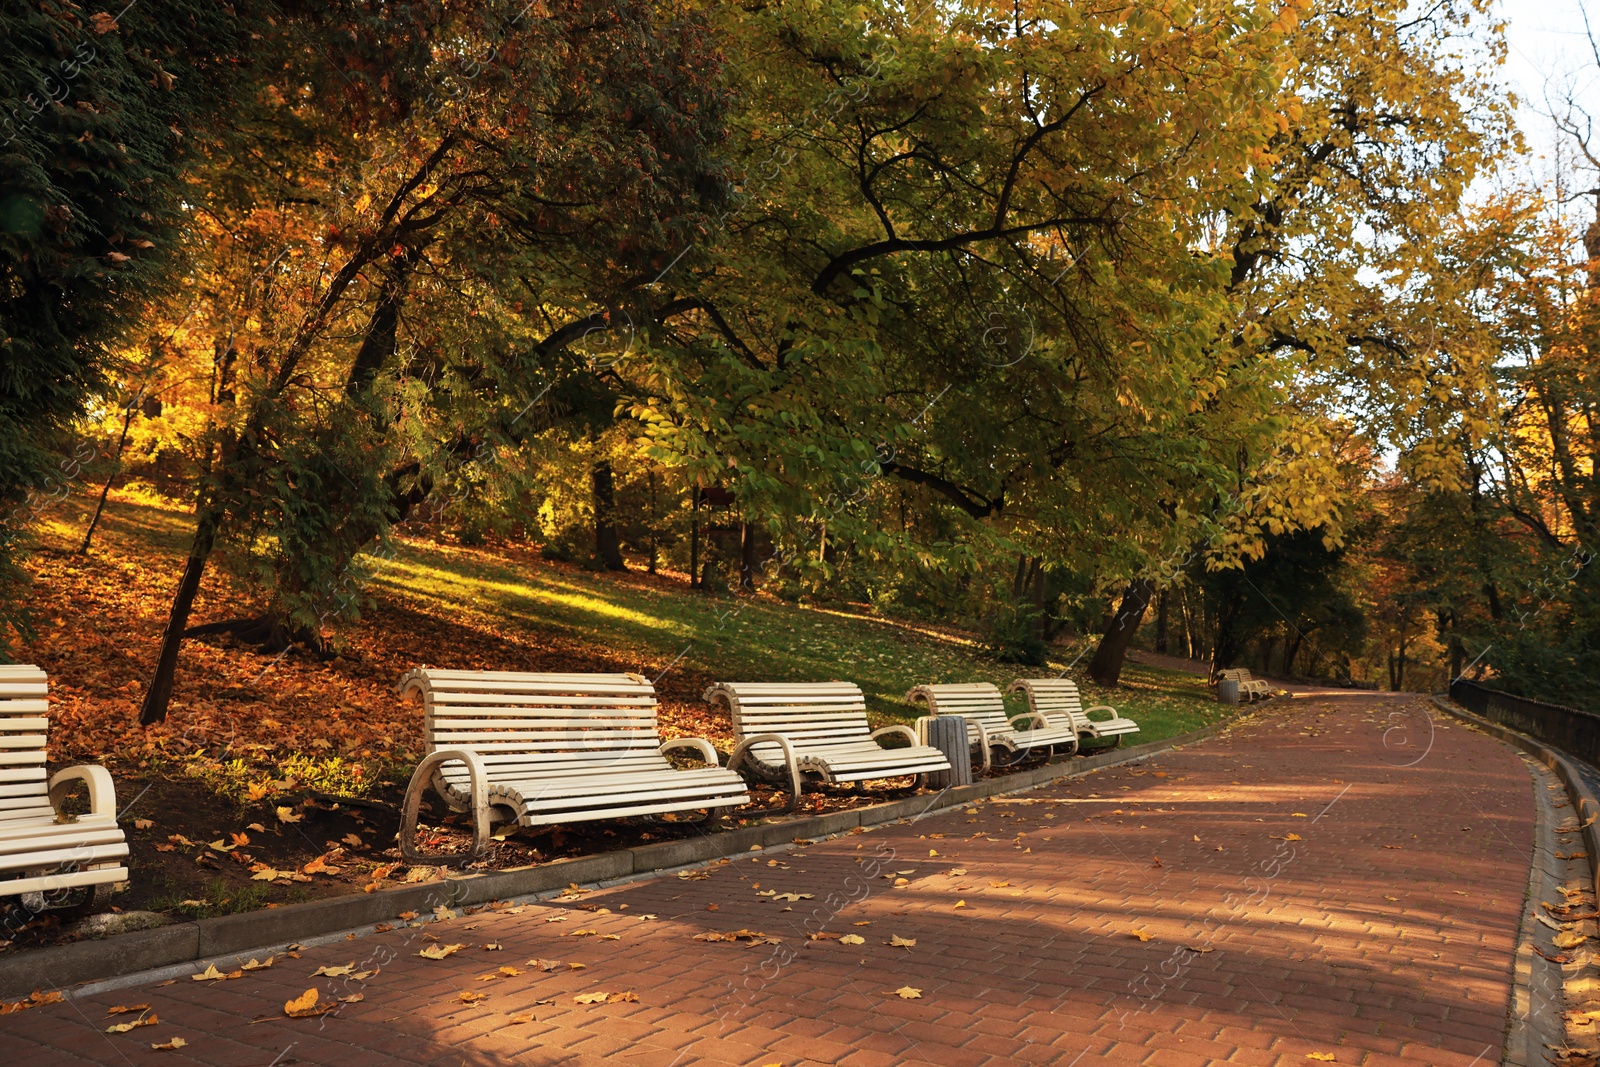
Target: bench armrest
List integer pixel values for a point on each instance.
(102, 790)
(1101, 707)
(1035, 719)
(741, 752)
(898, 728)
(699, 744)
(421, 778)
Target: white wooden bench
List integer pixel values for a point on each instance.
(44, 853)
(794, 728)
(536, 749)
(981, 704)
(1250, 688)
(1059, 703)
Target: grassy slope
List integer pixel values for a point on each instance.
(660, 624)
(634, 621)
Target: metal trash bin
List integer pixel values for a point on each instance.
(1228, 691)
(948, 734)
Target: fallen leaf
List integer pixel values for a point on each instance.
(122, 1028)
(794, 896)
(1569, 940)
(335, 972)
(896, 941)
(584, 933)
(852, 939)
(470, 998)
(591, 998)
(123, 1009)
(286, 814)
(960, 904)
(905, 992)
(439, 952)
(143, 824)
(306, 1005)
(1141, 933)
(211, 974)
(167, 1046)
(1325, 1057)
(257, 965)
(257, 827)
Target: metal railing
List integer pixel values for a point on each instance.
(1569, 729)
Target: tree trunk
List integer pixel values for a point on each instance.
(694, 538)
(1161, 623)
(655, 522)
(1106, 667)
(160, 692)
(116, 468)
(747, 556)
(607, 547)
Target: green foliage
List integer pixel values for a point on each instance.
(240, 780)
(1011, 635)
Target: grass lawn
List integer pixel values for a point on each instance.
(661, 625)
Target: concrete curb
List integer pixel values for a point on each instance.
(259, 932)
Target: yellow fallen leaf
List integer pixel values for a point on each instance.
(591, 998)
(143, 824)
(211, 974)
(960, 904)
(439, 952)
(122, 1028)
(286, 814)
(905, 992)
(335, 972)
(257, 827)
(584, 933)
(470, 998)
(794, 896)
(167, 1046)
(896, 941)
(257, 965)
(852, 939)
(304, 1006)
(1325, 1057)
(267, 874)
(1569, 940)
(1299, 815)
(933, 852)
(998, 885)
(1141, 933)
(123, 1009)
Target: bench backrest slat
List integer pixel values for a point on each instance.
(547, 721)
(978, 701)
(1052, 696)
(24, 733)
(813, 713)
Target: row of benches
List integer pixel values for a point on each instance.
(534, 749)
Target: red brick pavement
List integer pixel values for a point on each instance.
(1302, 891)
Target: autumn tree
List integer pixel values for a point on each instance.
(521, 179)
(92, 148)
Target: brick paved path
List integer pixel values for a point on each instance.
(1313, 894)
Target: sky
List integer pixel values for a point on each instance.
(1547, 44)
